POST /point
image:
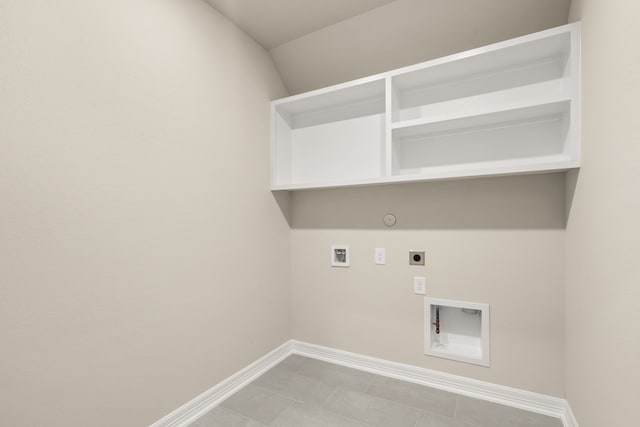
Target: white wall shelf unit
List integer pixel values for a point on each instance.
(509, 108)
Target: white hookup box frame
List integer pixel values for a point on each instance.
(457, 330)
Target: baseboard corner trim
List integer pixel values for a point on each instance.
(195, 408)
(570, 420)
(521, 399)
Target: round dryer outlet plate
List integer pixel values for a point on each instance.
(389, 220)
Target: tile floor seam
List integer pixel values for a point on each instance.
(293, 399)
(264, 389)
(397, 403)
(381, 398)
(299, 368)
(394, 401)
(426, 402)
(197, 423)
(373, 379)
(405, 404)
(340, 415)
(327, 399)
(455, 408)
(245, 417)
(418, 419)
(282, 412)
(349, 418)
(287, 407)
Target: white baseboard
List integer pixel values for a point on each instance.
(570, 419)
(194, 409)
(534, 402)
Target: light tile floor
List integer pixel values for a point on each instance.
(304, 392)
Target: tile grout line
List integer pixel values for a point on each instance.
(293, 402)
(309, 378)
(350, 419)
(299, 368)
(373, 379)
(455, 408)
(321, 407)
(275, 392)
(268, 390)
(420, 409)
(418, 419)
(328, 398)
(390, 401)
(233, 411)
(371, 396)
(347, 387)
(249, 418)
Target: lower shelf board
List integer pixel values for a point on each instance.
(440, 173)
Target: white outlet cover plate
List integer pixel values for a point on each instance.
(420, 285)
(380, 256)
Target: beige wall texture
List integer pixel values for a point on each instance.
(134, 176)
(134, 160)
(603, 230)
(494, 240)
(405, 32)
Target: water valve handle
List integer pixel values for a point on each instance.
(437, 325)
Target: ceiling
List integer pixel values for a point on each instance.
(274, 22)
(317, 43)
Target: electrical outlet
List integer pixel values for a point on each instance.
(380, 256)
(420, 285)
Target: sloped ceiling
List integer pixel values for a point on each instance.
(316, 43)
(274, 22)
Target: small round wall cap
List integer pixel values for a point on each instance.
(389, 220)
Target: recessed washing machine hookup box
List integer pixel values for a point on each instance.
(457, 330)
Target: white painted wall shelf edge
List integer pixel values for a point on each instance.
(508, 108)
